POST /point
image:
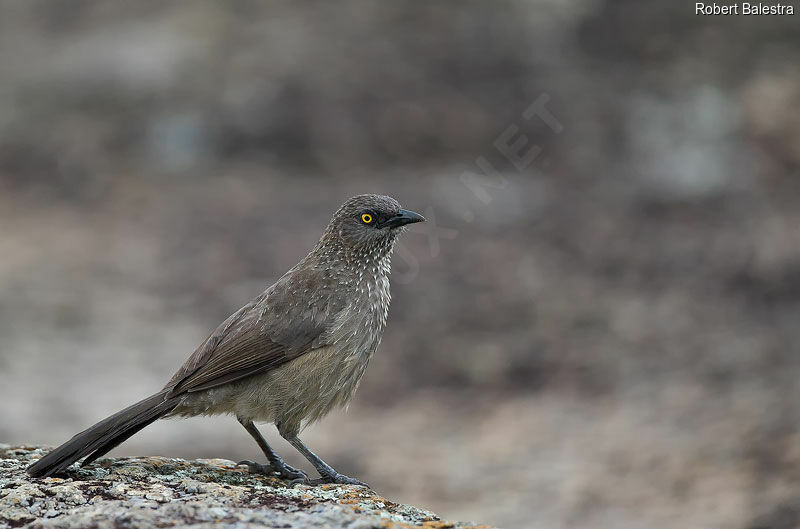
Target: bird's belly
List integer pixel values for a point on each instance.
(292, 395)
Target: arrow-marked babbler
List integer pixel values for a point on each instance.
(288, 357)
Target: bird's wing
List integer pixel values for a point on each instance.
(288, 320)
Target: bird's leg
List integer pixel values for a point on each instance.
(329, 475)
(276, 464)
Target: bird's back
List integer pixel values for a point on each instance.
(331, 319)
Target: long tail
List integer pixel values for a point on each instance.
(97, 440)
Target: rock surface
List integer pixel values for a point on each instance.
(163, 492)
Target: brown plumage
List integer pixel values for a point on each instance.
(289, 356)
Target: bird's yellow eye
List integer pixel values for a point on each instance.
(366, 218)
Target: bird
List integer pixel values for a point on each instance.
(288, 357)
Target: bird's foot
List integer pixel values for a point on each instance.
(283, 470)
(330, 478)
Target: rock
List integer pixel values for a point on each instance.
(162, 492)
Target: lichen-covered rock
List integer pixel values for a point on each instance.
(161, 492)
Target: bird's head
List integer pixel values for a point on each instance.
(368, 223)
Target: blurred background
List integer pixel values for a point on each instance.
(598, 326)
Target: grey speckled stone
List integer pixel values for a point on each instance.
(161, 492)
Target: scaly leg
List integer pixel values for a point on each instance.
(329, 475)
(276, 464)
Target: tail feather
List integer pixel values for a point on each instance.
(97, 440)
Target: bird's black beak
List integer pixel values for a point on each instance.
(402, 218)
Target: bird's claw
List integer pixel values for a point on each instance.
(332, 478)
(256, 468)
(285, 471)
